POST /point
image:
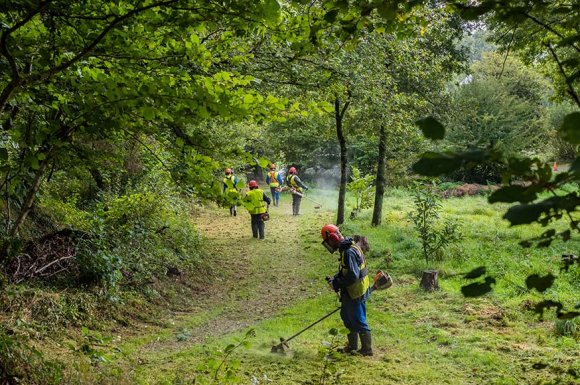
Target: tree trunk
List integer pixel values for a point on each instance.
(30, 197)
(339, 116)
(380, 190)
(429, 280)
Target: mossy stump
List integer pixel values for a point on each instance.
(430, 280)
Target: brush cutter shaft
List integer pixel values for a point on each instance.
(312, 200)
(312, 324)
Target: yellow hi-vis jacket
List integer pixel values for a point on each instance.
(254, 201)
(360, 287)
(231, 190)
(274, 179)
(292, 182)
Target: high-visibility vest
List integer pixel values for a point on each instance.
(274, 179)
(290, 179)
(231, 189)
(360, 287)
(254, 201)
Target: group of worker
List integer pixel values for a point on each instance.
(257, 202)
(351, 281)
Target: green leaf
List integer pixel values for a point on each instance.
(572, 78)
(34, 162)
(3, 154)
(435, 164)
(570, 129)
(539, 283)
(148, 112)
(331, 15)
(272, 10)
(263, 162)
(387, 10)
(520, 166)
(512, 194)
(431, 128)
(524, 214)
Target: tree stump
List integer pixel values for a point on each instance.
(429, 280)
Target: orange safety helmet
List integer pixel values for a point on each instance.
(228, 171)
(253, 184)
(292, 170)
(331, 233)
(272, 166)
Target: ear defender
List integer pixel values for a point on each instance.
(332, 237)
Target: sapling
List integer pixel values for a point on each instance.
(435, 236)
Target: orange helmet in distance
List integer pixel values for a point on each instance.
(292, 170)
(228, 171)
(253, 184)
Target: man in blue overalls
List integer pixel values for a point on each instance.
(352, 280)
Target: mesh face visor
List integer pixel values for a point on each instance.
(329, 247)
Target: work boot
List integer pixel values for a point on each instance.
(366, 342)
(352, 344)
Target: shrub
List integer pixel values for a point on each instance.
(97, 265)
(152, 233)
(137, 236)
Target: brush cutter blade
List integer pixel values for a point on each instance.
(280, 348)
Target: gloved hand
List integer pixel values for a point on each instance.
(330, 281)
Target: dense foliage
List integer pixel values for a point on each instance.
(117, 118)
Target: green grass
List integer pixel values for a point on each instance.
(419, 337)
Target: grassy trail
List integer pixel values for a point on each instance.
(255, 281)
(275, 286)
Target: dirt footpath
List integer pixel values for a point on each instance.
(249, 280)
(261, 276)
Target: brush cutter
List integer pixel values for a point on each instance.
(382, 281)
(317, 205)
(284, 342)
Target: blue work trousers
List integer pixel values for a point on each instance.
(354, 315)
(275, 195)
